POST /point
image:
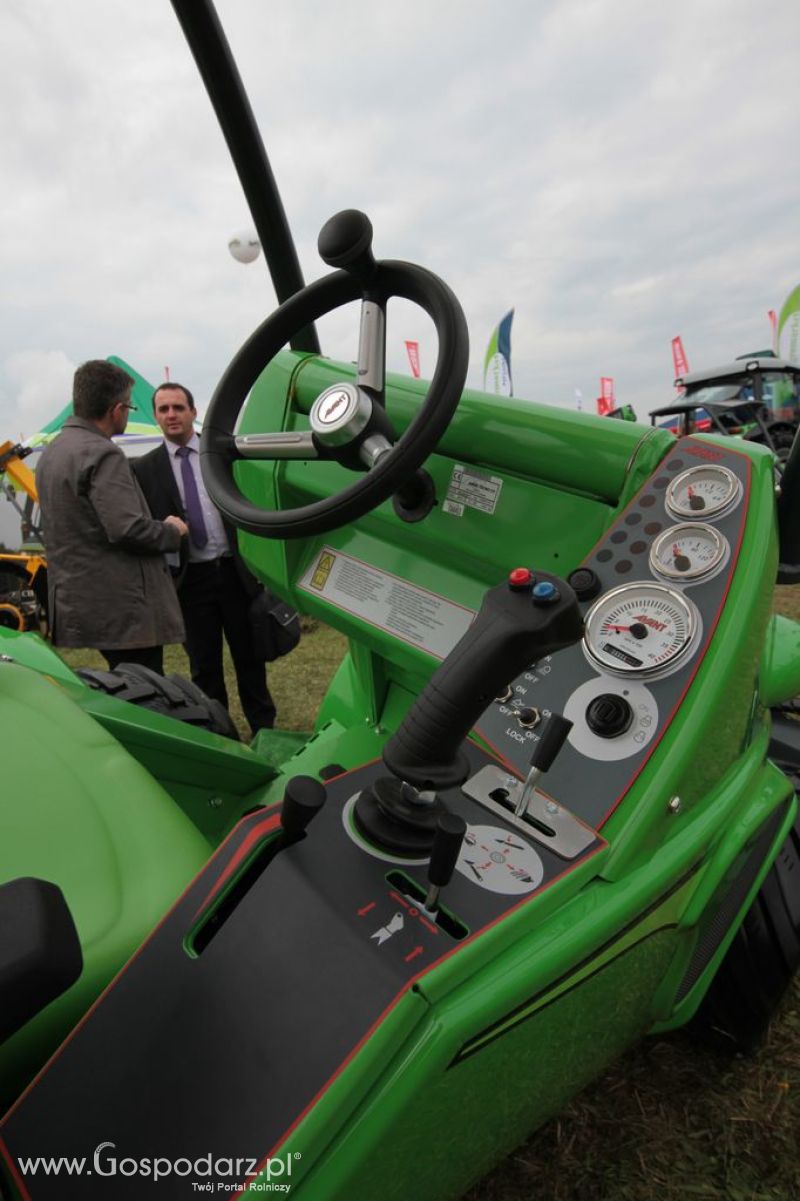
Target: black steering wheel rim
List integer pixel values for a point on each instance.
(218, 453)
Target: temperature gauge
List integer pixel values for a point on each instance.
(641, 629)
(688, 552)
(707, 491)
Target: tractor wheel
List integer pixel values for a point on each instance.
(172, 696)
(761, 960)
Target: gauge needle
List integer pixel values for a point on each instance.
(617, 628)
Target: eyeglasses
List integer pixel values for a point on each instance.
(123, 404)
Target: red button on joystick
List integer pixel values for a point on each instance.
(520, 577)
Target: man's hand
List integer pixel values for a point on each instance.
(179, 523)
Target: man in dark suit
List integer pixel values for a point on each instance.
(215, 588)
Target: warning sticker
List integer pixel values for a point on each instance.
(412, 614)
(473, 488)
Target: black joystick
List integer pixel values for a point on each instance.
(522, 620)
(302, 801)
(345, 241)
(449, 835)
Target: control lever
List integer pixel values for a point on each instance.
(526, 618)
(302, 801)
(553, 736)
(450, 831)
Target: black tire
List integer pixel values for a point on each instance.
(172, 696)
(760, 962)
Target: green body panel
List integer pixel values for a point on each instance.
(780, 665)
(80, 812)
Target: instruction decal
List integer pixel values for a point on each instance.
(415, 615)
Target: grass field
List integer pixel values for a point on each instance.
(672, 1121)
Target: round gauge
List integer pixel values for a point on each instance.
(640, 629)
(706, 491)
(688, 552)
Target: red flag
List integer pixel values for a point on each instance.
(413, 357)
(605, 401)
(773, 320)
(166, 374)
(679, 358)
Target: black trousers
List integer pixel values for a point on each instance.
(215, 603)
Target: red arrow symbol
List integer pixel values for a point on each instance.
(413, 954)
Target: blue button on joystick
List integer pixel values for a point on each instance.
(544, 592)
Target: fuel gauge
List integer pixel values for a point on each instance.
(690, 551)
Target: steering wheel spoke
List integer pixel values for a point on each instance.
(372, 350)
(287, 445)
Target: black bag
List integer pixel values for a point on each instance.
(275, 626)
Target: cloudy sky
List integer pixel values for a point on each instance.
(617, 171)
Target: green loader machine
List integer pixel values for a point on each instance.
(548, 806)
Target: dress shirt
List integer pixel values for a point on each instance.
(217, 544)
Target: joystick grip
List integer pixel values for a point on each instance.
(515, 626)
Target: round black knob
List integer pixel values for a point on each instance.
(585, 583)
(609, 715)
(302, 801)
(528, 717)
(346, 241)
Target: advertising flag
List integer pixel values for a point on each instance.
(578, 400)
(772, 317)
(412, 349)
(497, 364)
(679, 360)
(605, 401)
(789, 320)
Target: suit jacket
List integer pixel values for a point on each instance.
(157, 479)
(108, 582)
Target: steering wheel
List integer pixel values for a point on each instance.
(348, 421)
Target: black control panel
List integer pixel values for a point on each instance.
(651, 593)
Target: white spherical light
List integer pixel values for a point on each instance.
(245, 247)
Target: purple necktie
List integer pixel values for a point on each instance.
(194, 510)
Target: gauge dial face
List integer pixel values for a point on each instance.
(700, 492)
(688, 552)
(640, 629)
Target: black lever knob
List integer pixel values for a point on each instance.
(345, 241)
(450, 831)
(555, 729)
(302, 801)
(553, 736)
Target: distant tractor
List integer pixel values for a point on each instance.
(756, 397)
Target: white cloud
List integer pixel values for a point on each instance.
(40, 384)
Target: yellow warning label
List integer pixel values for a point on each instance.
(323, 569)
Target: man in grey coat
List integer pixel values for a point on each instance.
(108, 582)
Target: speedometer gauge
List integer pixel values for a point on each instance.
(707, 491)
(690, 551)
(641, 629)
